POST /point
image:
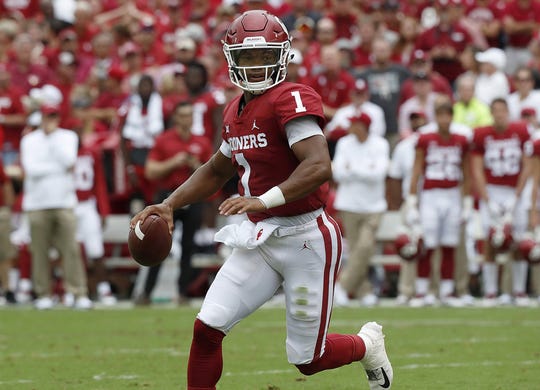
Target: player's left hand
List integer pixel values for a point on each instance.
(239, 205)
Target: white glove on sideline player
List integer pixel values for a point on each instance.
(467, 208)
(411, 213)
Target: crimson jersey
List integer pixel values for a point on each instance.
(260, 148)
(502, 152)
(443, 159)
(203, 107)
(90, 179)
(168, 144)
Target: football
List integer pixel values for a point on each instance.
(150, 242)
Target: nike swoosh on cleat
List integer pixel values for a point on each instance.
(386, 383)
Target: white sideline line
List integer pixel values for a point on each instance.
(16, 381)
(104, 376)
(467, 364)
(110, 352)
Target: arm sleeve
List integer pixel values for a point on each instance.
(301, 128)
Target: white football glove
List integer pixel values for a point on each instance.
(411, 213)
(509, 204)
(495, 210)
(467, 208)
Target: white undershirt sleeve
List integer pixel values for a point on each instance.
(301, 128)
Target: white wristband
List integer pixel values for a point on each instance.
(272, 198)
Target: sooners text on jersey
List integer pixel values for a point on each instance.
(260, 149)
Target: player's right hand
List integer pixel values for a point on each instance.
(164, 210)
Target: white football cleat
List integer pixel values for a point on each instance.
(83, 303)
(378, 368)
(44, 303)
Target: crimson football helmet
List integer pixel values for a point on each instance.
(408, 245)
(257, 29)
(529, 248)
(500, 236)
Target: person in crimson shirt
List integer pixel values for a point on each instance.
(421, 63)
(175, 156)
(12, 116)
(445, 41)
(272, 137)
(207, 102)
(22, 9)
(534, 215)
(500, 171)
(441, 161)
(91, 210)
(334, 83)
(521, 20)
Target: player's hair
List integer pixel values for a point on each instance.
(498, 100)
(199, 66)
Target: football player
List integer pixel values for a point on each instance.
(441, 160)
(272, 137)
(500, 170)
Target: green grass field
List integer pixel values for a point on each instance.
(430, 348)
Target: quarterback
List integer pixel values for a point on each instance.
(272, 138)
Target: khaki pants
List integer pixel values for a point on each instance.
(56, 228)
(360, 231)
(7, 250)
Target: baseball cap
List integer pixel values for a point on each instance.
(417, 114)
(419, 55)
(185, 43)
(494, 56)
(360, 85)
(116, 73)
(528, 111)
(49, 109)
(361, 118)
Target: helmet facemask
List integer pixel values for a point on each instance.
(274, 71)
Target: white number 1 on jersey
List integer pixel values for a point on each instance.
(298, 100)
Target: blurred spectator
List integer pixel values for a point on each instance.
(91, 210)
(296, 71)
(7, 250)
(207, 103)
(325, 35)
(529, 115)
(525, 96)
(175, 156)
(444, 41)
(185, 50)
(385, 79)
(151, 47)
(362, 52)
(131, 61)
(487, 16)
(172, 88)
(534, 63)
(423, 100)
(491, 82)
(85, 26)
(468, 109)
(299, 12)
(333, 82)
(421, 63)
(340, 123)
(521, 20)
(405, 46)
(359, 167)
(48, 157)
(344, 15)
(141, 120)
(19, 10)
(103, 57)
(12, 116)
(8, 31)
(26, 72)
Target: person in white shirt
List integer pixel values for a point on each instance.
(491, 82)
(48, 155)
(359, 167)
(525, 95)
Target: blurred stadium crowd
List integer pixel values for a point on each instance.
(119, 73)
